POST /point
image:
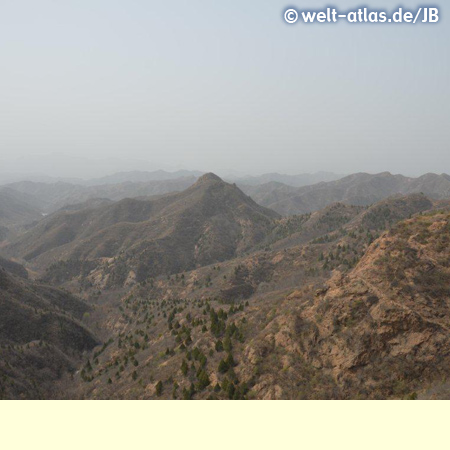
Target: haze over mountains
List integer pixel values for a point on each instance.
(51, 194)
(16, 211)
(50, 197)
(356, 189)
(285, 194)
(143, 175)
(142, 286)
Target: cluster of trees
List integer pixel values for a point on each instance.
(184, 319)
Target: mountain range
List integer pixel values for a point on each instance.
(284, 197)
(49, 197)
(318, 319)
(356, 189)
(137, 239)
(206, 293)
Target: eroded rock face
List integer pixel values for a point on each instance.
(384, 328)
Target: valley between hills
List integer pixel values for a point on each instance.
(149, 286)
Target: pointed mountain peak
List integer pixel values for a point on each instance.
(208, 177)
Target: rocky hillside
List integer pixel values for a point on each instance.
(273, 325)
(383, 330)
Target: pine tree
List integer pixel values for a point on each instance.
(230, 360)
(223, 366)
(203, 380)
(174, 390)
(227, 345)
(184, 367)
(202, 360)
(231, 390)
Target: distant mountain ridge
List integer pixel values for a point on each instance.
(16, 209)
(299, 180)
(357, 189)
(53, 196)
(143, 177)
(281, 193)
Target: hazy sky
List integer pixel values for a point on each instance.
(220, 85)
